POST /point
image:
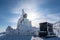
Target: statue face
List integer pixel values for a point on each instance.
(25, 15)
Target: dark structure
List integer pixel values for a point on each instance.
(46, 29)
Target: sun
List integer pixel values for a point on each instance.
(32, 16)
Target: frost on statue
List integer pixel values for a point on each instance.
(24, 25)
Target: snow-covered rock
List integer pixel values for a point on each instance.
(10, 30)
(56, 29)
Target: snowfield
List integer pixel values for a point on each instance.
(21, 37)
(38, 38)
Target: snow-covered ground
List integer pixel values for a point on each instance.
(38, 38)
(21, 37)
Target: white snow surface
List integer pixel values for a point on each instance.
(52, 38)
(56, 28)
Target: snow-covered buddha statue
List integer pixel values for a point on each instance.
(24, 25)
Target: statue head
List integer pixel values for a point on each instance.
(24, 14)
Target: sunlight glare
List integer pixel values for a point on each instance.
(32, 16)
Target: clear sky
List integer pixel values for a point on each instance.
(38, 11)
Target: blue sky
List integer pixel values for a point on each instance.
(39, 10)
